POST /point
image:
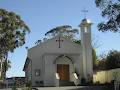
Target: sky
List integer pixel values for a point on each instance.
(43, 15)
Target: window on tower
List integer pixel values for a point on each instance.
(86, 30)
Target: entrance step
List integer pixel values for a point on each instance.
(66, 83)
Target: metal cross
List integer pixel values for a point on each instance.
(85, 12)
(59, 40)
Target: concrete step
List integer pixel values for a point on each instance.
(66, 83)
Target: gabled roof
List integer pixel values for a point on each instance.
(26, 63)
(44, 44)
(47, 41)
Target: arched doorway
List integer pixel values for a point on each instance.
(64, 67)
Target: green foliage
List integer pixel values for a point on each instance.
(101, 65)
(6, 65)
(12, 32)
(94, 58)
(110, 10)
(111, 61)
(65, 30)
(12, 35)
(77, 42)
(29, 85)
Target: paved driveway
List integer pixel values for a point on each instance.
(73, 88)
(78, 88)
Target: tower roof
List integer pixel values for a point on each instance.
(85, 22)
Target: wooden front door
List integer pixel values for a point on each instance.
(63, 71)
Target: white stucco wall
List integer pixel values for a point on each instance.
(49, 74)
(87, 52)
(36, 58)
(51, 67)
(44, 54)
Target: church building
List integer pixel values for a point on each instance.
(59, 61)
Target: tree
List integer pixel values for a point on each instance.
(12, 33)
(6, 64)
(101, 65)
(110, 61)
(65, 30)
(111, 10)
(94, 58)
(113, 59)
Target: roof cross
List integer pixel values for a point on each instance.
(85, 11)
(59, 40)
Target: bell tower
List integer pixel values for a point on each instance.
(85, 28)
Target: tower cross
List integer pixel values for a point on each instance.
(59, 41)
(85, 11)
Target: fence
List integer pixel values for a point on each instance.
(107, 76)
